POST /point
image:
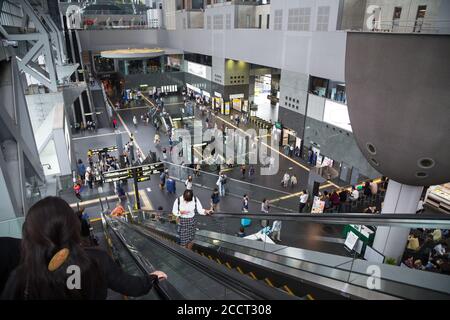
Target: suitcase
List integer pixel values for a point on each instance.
(170, 185)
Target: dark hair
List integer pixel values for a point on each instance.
(216, 190)
(325, 193)
(80, 161)
(241, 229)
(50, 226)
(188, 195)
(160, 208)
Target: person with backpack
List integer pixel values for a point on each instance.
(162, 179)
(215, 199)
(185, 208)
(221, 184)
(77, 189)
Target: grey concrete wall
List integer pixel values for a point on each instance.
(338, 144)
(292, 120)
(321, 54)
(399, 101)
(293, 91)
(353, 12)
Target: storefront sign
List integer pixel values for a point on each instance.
(217, 94)
(278, 125)
(190, 86)
(198, 70)
(236, 96)
(227, 108)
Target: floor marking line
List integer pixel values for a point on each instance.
(98, 135)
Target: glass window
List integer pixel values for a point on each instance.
(278, 20)
(135, 66)
(154, 65)
(323, 15)
(103, 64)
(318, 86)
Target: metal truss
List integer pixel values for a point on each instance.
(46, 40)
(19, 158)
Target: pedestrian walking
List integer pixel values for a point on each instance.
(221, 184)
(265, 210)
(276, 230)
(215, 199)
(162, 179)
(251, 172)
(293, 181)
(114, 122)
(245, 202)
(135, 121)
(303, 200)
(188, 183)
(243, 170)
(285, 180)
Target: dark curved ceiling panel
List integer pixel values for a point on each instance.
(398, 94)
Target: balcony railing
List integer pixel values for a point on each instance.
(412, 26)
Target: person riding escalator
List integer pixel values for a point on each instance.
(55, 266)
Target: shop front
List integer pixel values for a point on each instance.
(237, 102)
(217, 102)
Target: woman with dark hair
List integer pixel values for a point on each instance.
(54, 265)
(185, 208)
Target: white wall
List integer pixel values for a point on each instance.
(313, 4)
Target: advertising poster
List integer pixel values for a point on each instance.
(318, 205)
(227, 108)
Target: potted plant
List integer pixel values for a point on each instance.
(391, 261)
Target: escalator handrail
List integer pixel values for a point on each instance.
(164, 288)
(396, 220)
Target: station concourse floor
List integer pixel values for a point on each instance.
(312, 236)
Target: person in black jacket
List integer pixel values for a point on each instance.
(9, 258)
(52, 258)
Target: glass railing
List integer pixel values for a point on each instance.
(12, 227)
(337, 252)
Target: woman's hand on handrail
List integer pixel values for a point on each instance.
(161, 275)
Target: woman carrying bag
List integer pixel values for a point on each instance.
(185, 208)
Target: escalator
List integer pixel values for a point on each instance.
(306, 273)
(190, 276)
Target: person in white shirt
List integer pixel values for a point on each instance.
(188, 183)
(276, 230)
(185, 208)
(286, 179)
(355, 194)
(221, 184)
(440, 249)
(303, 201)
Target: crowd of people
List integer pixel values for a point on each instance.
(428, 249)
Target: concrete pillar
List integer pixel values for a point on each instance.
(400, 198)
(12, 162)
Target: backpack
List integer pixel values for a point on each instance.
(195, 203)
(224, 180)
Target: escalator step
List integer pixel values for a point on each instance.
(289, 291)
(269, 282)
